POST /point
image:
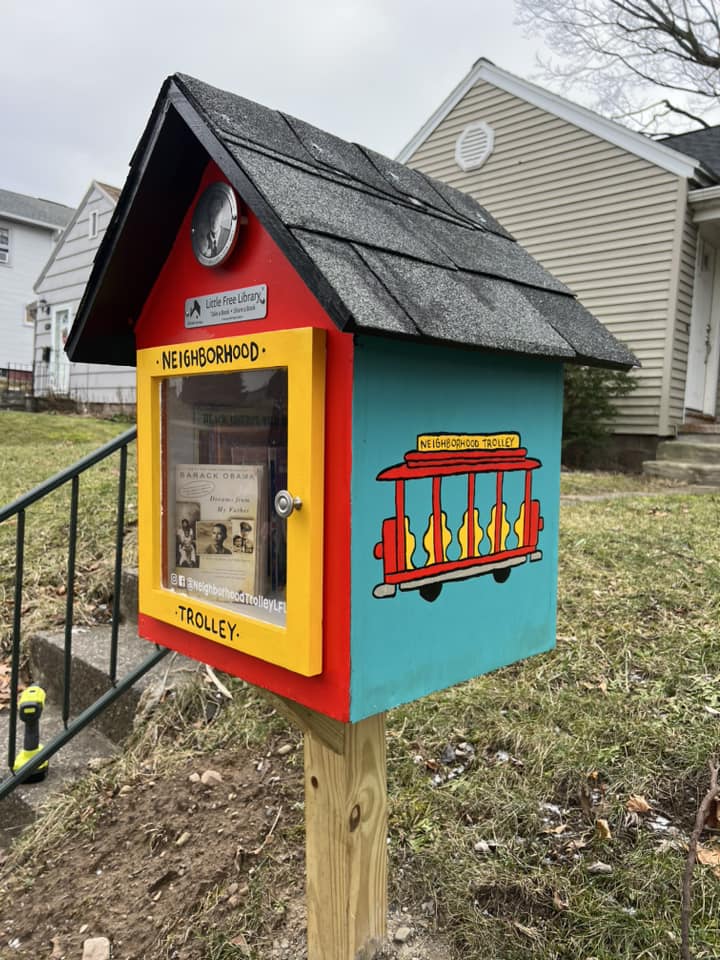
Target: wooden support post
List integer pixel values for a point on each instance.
(346, 841)
(346, 833)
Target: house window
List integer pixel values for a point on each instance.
(4, 244)
(474, 145)
(93, 224)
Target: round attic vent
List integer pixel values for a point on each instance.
(474, 145)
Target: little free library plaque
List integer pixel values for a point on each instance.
(248, 303)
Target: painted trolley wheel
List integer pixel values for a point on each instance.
(501, 575)
(430, 591)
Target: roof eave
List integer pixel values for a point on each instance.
(705, 206)
(265, 213)
(608, 130)
(175, 101)
(76, 346)
(29, 221)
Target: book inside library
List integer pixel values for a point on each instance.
(225, 455)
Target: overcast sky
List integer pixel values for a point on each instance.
(79, 77)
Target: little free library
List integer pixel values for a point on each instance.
(349, 422)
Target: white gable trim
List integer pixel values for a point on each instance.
(61, 242)
(94, 185)
(609, 130)
(104, 192)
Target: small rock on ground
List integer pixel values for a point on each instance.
(211, 778)
(96, 948)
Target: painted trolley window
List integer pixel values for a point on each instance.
(225, 443)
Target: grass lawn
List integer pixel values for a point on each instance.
(37, 445)
(34, 447)
(543, 811)
(534, 848)
(600, 482)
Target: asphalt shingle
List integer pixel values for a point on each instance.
(409, 182)
(386, 249)
(587, 336)
(447, 269)
(18, 205)
(360, 290)
(315, 203)
(702, 145)
(236, 116)
(338, 155)
(464, 307)
(469, 208)
(480, 251)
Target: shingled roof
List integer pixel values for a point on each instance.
(385, 249)
(703, 144)
(44, 213)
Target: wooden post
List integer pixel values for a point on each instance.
(345, 832)
(346, 841)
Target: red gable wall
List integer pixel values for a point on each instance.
(256, 259)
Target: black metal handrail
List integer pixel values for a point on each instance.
(18, 509)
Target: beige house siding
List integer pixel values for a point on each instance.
(685, 284)
(601, 219)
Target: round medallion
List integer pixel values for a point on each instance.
(215, 225)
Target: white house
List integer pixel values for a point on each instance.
(29, 229)
(60, 286)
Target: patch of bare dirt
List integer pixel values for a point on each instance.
(170, 867)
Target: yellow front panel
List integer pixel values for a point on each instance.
(219, 605)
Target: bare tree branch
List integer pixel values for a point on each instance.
(686, 901)
(670, 108)
(622, 52)
(685, 113)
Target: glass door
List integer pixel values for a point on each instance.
(231, 462)
(226, 450)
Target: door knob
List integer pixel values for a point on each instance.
(285, 503)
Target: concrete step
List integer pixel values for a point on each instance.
(707, 436)
(129, 594)
(700, 430)
(23, 805)
(689, 451)
(89, 672)
(89, 680)
(689, 472)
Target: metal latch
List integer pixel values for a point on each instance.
(285, 503)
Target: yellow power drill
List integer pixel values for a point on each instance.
(30, 708)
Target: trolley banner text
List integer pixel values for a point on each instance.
(428, 442)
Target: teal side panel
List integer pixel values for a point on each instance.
(403, 646)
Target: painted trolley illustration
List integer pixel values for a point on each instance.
(486, 540)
